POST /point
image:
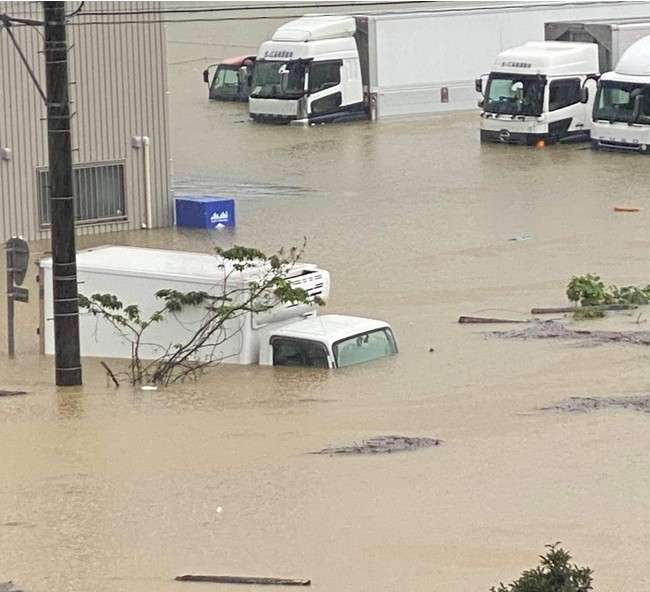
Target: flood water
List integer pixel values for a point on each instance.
(121, 490)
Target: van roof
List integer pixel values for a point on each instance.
(332, 327)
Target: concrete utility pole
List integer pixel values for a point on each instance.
(64, 264)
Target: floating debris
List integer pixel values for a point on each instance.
(555, 330)
(383, 444)
(584, 404)
(626, 209)
(244, 580)
(11, 394)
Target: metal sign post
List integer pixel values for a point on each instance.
(17, 261)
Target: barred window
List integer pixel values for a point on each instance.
(98, 191)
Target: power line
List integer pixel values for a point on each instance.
(265, 6)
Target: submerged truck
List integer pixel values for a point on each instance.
(540, 91)
(559, 75)
(621, 115)
(231, 80)
(284, 335)
(340, 67)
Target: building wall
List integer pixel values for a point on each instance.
(118, 91)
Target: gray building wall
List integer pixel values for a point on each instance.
(118, 91)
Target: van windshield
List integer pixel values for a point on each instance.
(514, 94)
(615, 102)
(365, 347)
(267, 79)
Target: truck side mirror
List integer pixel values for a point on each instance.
(242, 75)
(478, 85)
(584, 95)
(636, 110)
(284, 77)
(206, 76)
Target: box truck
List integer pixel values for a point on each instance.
(231, 80)
(340, 67)
(286, 334)
(540, 91)
(621, 115)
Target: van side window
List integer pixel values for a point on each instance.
(324, 75)
(563, 93)
(298, 352)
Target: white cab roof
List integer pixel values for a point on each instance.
(553, 58)
(313, 28)
(636, 59)
(331, 327)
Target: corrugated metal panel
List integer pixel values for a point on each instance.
(118, 75)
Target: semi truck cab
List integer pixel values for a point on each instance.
(539, 91)
(309, 72)
(232, 78)
(621, 113)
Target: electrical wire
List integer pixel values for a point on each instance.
(76, 11)
(265, 6)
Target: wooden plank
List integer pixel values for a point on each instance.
(574, 308)
(244, 580)
(464, 319)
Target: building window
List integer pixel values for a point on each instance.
(98, 191)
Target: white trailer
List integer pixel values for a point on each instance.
(621, 116)
(134, 275)
(324, 68)
(612, 37)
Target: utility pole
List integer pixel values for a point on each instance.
(67, 355)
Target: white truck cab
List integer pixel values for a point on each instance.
(542, 90)
(621, 113)
(328, 341)
(309, 72)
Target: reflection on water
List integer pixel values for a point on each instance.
(122, 490)
(195, 184)
(70, 403)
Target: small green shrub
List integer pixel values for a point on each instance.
(588, 312)
(631, 295)
(554, 574)
(588, 290)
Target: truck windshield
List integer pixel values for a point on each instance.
(514, 94)
(365, 347)
(267, 80)
(615, 101)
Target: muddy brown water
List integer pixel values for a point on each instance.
(122, 490)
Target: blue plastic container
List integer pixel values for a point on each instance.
(205, 212)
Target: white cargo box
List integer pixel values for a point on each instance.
(135, 274)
